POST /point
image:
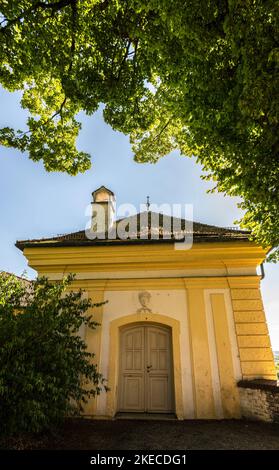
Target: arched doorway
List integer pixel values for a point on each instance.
(145, 369)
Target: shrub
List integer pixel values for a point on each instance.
(46, 372)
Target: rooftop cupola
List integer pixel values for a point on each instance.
(103, 209)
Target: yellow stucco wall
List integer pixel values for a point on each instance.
(202, 378)
(210, 298)
(228, 390)
(252, 333)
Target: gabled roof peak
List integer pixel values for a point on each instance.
(102, 194)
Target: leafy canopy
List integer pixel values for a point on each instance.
(46, 373)
(200, 76)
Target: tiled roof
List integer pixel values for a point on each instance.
(102, 188)
(143, 228)
(21, 279)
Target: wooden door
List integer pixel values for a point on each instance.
(158, 370)
(132, 369)
(146, 383)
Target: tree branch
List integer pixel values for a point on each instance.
(54, 6)
(74, 28)
(59, 111)
(135, 55)
(124, 58)
(161, 131)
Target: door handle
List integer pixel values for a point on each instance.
(148, 368)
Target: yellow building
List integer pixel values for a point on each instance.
(181, 327)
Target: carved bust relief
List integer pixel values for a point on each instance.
(144, 299)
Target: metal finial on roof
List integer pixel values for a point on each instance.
(147, 202)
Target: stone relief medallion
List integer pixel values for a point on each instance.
(144, 299)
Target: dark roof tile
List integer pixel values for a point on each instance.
(142, 229)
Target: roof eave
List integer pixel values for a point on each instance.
(197, 239)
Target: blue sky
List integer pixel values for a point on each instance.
(35, 203)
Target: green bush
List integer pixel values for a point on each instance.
(46, 373)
